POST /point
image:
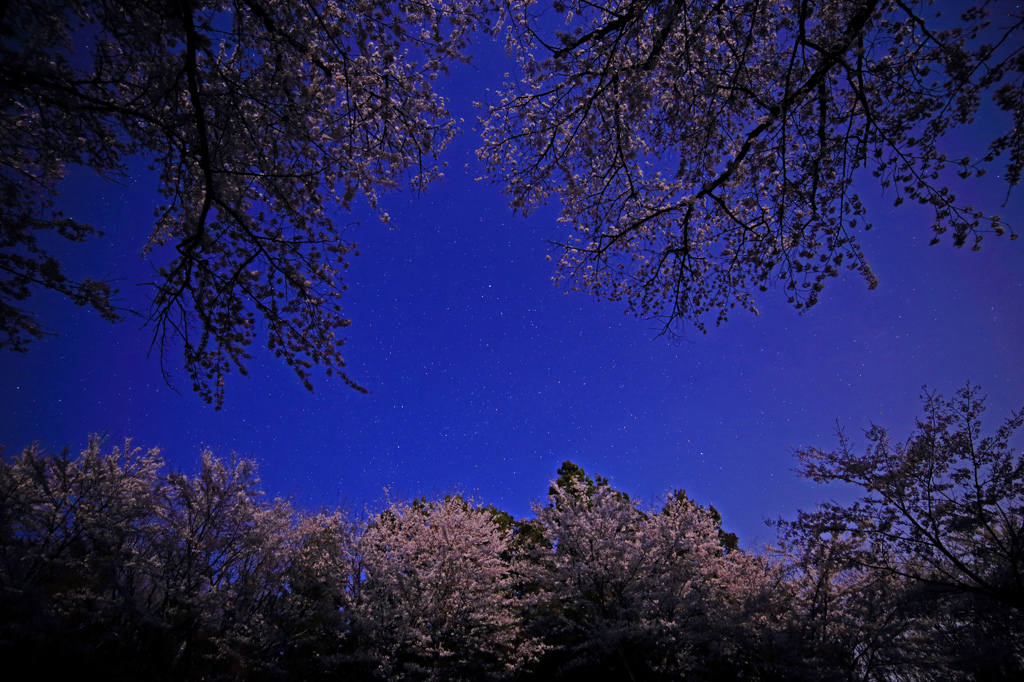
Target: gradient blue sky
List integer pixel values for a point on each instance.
(485, 376)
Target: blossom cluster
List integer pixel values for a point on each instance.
(705, 151)
(261, 118)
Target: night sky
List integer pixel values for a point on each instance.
(485, 376)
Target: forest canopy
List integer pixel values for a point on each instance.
(110, 562)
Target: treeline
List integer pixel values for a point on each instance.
(114, 567)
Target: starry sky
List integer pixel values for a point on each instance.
(485, 376)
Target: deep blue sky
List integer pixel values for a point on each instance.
(485, 376)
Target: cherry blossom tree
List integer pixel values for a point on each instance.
(70, 532)
(944, 507)
(704, 151)
(641, 593)
(217, 564)
(109, 565)
(305, 633)
(435, 601)
(942, 515)
(837, 620)
(259, 116)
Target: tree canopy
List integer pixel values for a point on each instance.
(111, 564)
(702, 151)
(944, 507)
(938, 528)
(705, 151)
(258, 116)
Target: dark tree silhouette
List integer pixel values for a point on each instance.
(943, 513)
